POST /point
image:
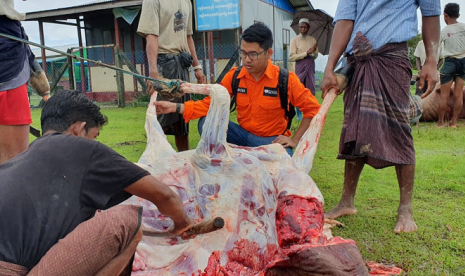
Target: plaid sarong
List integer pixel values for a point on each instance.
(89, 247)
(376, 106)
(415, 109)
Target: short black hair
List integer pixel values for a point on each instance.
(259, 33)
(452, 10)
(69, 107)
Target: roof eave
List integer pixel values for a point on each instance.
(73, 12)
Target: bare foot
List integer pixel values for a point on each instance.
(339, 211)
(440, 125)
(453, 126)
(405, 222)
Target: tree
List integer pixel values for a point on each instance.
(412, 44)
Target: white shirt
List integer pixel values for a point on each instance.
(453, 37)
(420, 52)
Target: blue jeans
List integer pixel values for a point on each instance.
(241, 137)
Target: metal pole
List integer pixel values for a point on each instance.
(204, 43)
(71, 70)
(119, 79)
(42, 41)
(81, 53)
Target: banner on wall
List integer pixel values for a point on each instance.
(212, 15)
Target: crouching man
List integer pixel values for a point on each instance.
(53, 191)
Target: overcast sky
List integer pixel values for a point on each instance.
(58, 35)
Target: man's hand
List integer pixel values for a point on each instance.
(285, 141)
(154, 75)
(45, 96)
(428, 74)
(313, 49)
(180, 229)
(201, 79)
(164, 107)
(329, 82)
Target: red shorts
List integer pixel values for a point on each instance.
(14, 107)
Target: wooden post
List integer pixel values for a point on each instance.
(133, 57)
(81, 52)
(204, 63)
(211, 56)
(237, 41)
(119, 79)
(71, 70)
(42, 41)
(286, 41)
(118, 63)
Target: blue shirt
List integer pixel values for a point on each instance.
(385, 21)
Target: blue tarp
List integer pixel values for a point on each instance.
(282, 4)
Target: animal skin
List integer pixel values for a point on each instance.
(273, 210)
(431, 104)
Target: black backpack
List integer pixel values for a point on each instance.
(289, 109)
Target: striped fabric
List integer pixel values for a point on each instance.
(385, 21)
(376, 106)
(89, 247)
(9, 269)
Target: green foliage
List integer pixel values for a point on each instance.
(142, 98)
(437, 248)
(412, 44)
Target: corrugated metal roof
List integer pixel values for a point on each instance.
(77, 6)
(302, 5)
(83, 7)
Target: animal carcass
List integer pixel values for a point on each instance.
(431, 103)
(273, 210)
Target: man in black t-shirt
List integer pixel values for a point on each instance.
(51, 192)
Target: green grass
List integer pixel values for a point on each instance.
(437, 248)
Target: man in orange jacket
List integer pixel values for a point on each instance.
(261, 118)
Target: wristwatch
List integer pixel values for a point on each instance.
(197, 67)
(178, 107)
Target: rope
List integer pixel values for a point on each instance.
(169, 84)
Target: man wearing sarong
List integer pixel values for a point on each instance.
(167, 27)
(304, 51)
(16, 60)
(52, 194)
(376, 128)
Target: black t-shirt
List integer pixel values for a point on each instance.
(48, 190)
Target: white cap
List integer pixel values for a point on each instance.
(7, 8)
(304, 20)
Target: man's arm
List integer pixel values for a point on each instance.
(152, 56)
(430, 31)
(291, 142)
(315, 50)
(302, 98)
(167, 201)
(301, 130)
(198, 72)
(418, 63)
(340, 39)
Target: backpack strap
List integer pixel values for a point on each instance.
(234, 87)
(289, 110)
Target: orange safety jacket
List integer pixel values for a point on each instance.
(259, 111)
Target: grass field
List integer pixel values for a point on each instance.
(437, 248)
